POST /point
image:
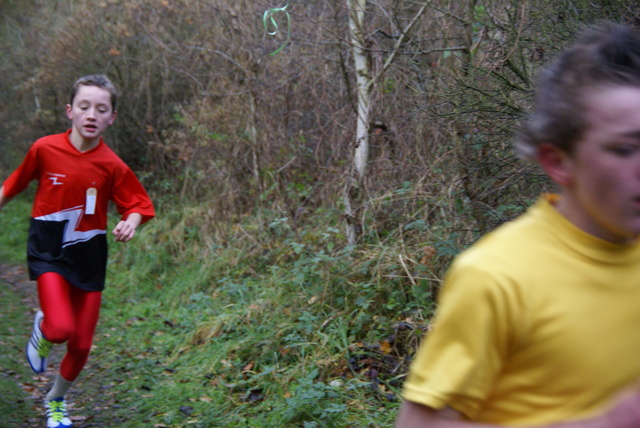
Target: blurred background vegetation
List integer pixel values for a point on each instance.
(247, 153)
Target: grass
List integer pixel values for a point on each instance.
(15, 405)
(272, 331)
(16, 379)
(260, 324)
(14, 220)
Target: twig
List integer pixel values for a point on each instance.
(406, 269)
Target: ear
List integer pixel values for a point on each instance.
(68, 108)
(113, 117)
(556, 163)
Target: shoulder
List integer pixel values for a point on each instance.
(106, 150)
(48, 147)
(507, 263)
(50, 140)
(108, 155)
(512, 243)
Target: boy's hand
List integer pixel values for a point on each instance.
(126, 229)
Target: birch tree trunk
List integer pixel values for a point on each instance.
(353, 195)
(365, 78)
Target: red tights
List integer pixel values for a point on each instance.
(70, 315)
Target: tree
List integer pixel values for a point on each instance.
(365, 79)
(364, 86)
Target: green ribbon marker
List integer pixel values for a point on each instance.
(269, 20)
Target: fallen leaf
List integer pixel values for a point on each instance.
(385, 347)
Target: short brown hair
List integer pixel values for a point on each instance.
(607, 54)
(99, 80)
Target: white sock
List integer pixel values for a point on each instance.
(60, 387)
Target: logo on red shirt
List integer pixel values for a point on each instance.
(54, 178)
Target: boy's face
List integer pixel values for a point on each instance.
(91, 112)
(601, 181)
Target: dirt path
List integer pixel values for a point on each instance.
(87, 403)
(32, 385)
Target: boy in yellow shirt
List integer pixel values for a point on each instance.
(539, 322)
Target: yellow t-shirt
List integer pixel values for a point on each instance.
(538, 322)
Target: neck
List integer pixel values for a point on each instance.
(82, 144)
(576, 214)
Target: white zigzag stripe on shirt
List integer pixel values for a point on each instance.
(72, 236)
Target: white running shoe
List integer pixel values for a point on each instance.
(57, 416)
(38, 347)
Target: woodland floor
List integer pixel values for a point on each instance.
(21, 390)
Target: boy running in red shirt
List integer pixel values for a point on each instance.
(77, 174)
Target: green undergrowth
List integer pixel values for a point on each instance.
(260, 323)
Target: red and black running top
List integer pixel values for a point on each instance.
(67, 234)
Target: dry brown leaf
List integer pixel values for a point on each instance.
(385, 347)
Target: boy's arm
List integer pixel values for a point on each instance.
(126, 229)
(414, 415)
(626, 414)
